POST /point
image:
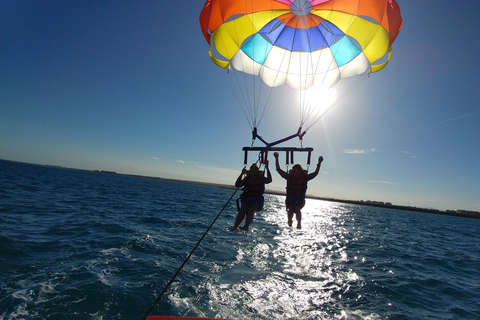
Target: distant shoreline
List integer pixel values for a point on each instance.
(458, 213)
(388, 205)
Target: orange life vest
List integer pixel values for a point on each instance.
(253, 186)
(297, 186)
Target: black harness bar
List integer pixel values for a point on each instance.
(288, 150)
(270, 147)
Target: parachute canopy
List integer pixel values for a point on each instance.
(301, 42)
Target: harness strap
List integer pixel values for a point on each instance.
(295, 201)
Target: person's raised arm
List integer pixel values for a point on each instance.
(268, 179)
(282, 173)
(240, 179)
(277, 165)
(315, 173)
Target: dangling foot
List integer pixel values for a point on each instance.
(290, 222)
(299, 226)
(244, 228)
(234, 229)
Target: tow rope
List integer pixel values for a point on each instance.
(186, 259)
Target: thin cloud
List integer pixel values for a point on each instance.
(181, 161)
(382, 182)
(219, 171)
(408, 154)
(460, 117)
(359, 151)
(155, 158)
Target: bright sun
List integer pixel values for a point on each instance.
(316, 101)
(320, 97)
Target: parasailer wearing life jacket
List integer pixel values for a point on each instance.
(253, 182)
(297, 179)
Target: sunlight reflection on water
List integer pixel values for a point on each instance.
(285, 273)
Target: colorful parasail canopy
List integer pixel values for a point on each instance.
(301, 42)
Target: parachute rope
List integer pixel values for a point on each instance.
(253, 107)
(283, 44)
(309, 112)
(248, 99)
(242, 100)
(320, 114)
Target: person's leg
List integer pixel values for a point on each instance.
(240, 215)
(298, 216)
(290, 209)
(252, 208)
(298, 213)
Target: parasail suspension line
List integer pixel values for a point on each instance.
(188, 257)
(320, 114)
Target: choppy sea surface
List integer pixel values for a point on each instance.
(87, 245)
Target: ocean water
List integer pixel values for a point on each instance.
(86, 245)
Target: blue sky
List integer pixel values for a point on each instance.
(128, 86)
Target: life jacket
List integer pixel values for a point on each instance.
(253, 186)
(297, 186)
(253, 191)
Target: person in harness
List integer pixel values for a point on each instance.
(297, 179)
(251, 201)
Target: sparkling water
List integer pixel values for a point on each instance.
(89, 245)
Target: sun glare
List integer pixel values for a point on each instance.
(315, 102)
(320, 98)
